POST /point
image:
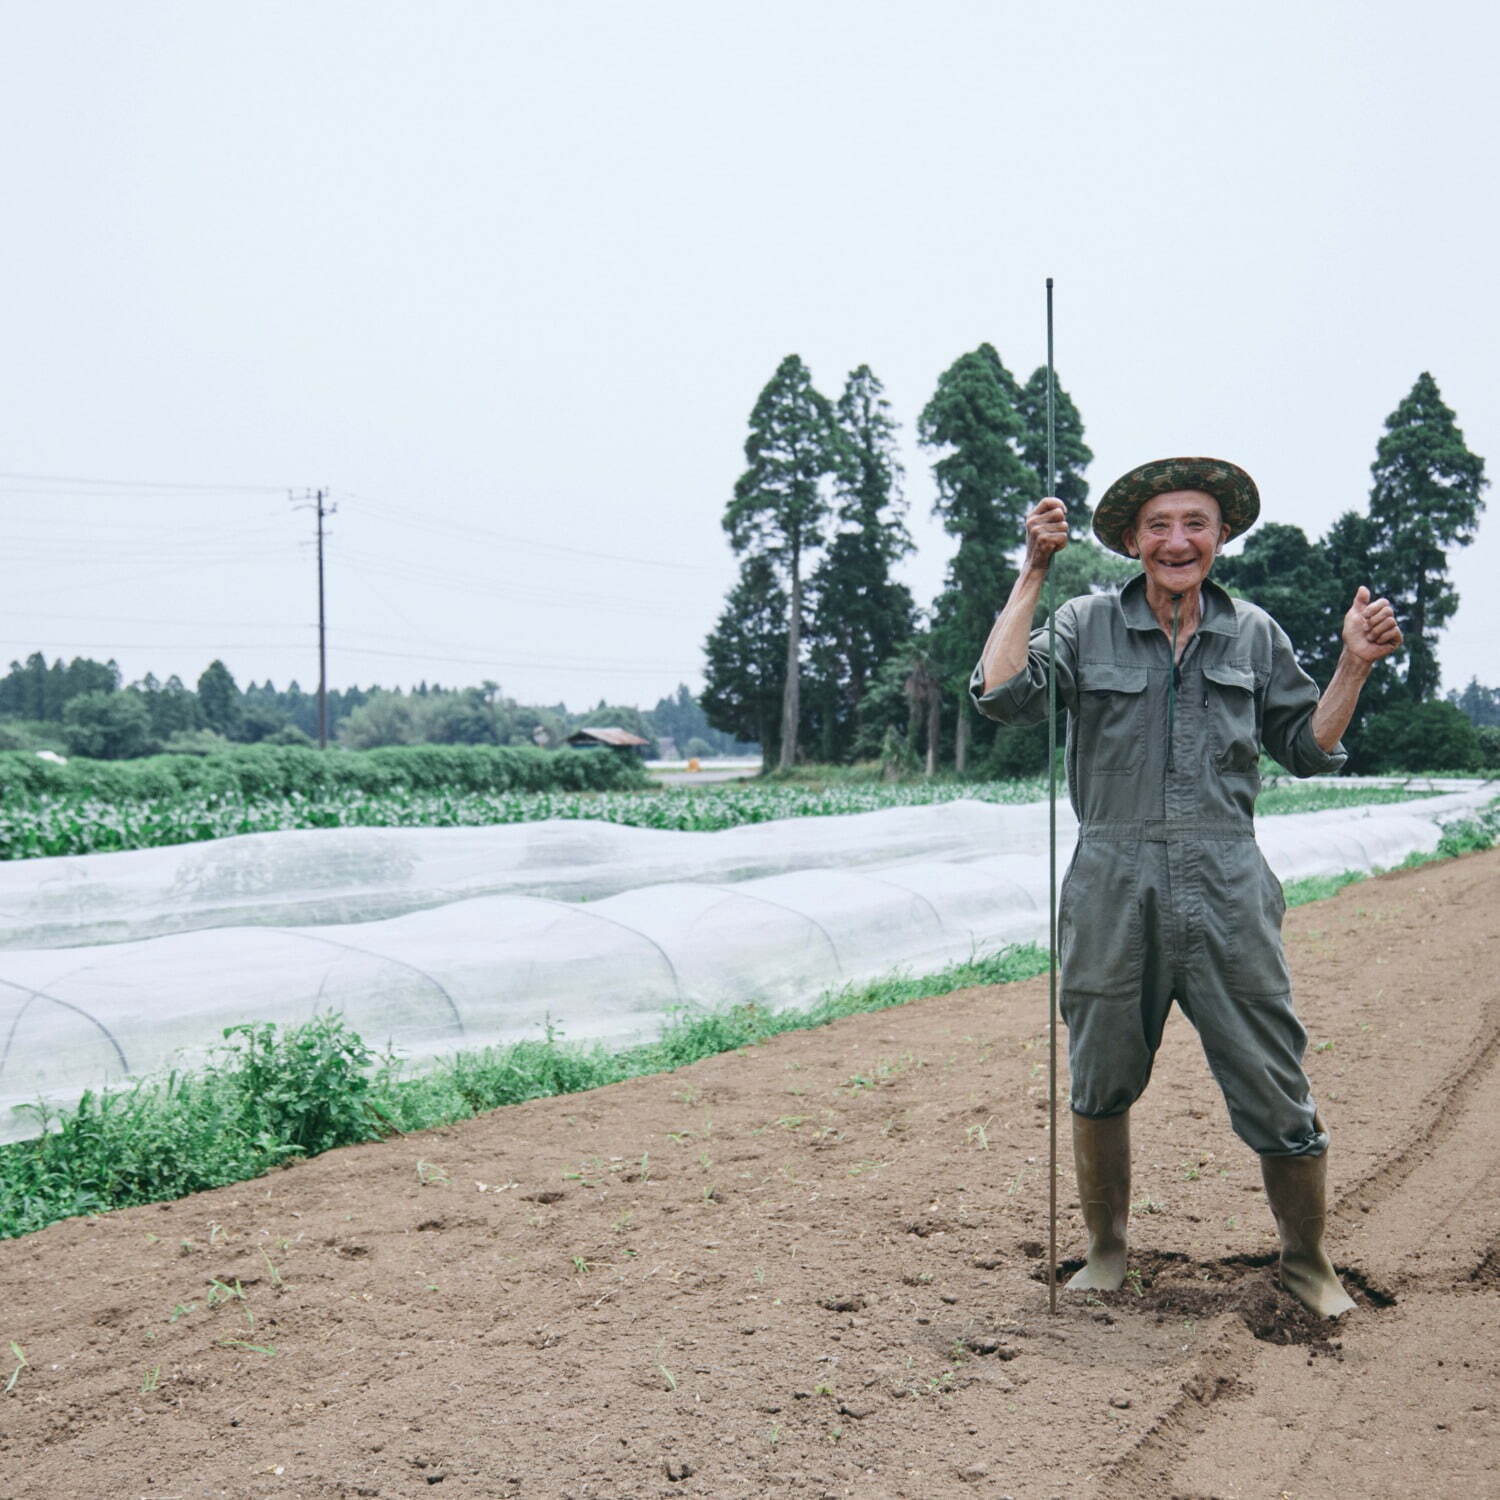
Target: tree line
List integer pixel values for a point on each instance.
(84, 708)
(821, 653)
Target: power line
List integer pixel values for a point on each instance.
(538, 663)
(150, 484)
(537, 595)
(394, 515)
(173, 567)
(577, 668)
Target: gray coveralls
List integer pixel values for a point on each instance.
(1168, 896)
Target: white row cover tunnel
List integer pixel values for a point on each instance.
(774, 913)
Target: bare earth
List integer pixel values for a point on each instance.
(813, 1269)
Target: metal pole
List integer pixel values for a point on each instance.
(322, 640)
(1051, 860)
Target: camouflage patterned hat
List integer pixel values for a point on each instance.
(1230, 485)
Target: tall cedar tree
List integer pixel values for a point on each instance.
(779, 506)
(219, 698)
(1479, 704)
(985, 487)
(1426, 498)
(1073, 454)
(746, 655)
(923, 689)
(860, 614)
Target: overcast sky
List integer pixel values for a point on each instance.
(506, 279)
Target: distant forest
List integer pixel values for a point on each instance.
(82, 707)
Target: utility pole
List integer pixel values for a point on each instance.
(322, 640)
(318, 502)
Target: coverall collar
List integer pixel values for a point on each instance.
(1219, 617)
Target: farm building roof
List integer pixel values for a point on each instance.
(620, 737)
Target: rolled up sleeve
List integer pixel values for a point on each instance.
(1022, 699)
(1286, 717)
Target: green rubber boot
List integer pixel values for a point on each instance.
(1101, 1157)
(1296, 1188)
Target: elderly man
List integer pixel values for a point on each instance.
(1171, 689)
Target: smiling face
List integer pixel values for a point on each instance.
(1177, 536)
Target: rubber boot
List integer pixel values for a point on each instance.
(1296, 1188)
(1101, 1156)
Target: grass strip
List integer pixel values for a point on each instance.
(1459, 836)
(271, 1096)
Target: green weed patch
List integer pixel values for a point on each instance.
(271, 1096)
(149, 808)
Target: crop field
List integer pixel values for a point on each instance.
(813, 1265)
(44, 823)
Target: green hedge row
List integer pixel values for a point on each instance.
(284, 770)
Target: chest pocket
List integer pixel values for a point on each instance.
(1234, 719)
(1112, 714)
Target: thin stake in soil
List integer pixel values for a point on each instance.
(1051, 861)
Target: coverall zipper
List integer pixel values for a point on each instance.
(1173, 683)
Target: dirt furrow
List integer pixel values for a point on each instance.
(1407, 1400)
(1438, 1117)
(1217, 1374)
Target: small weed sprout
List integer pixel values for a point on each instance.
(219, 1292)
(661, 1368)
(429, 1174)
(1134, 1282)
(181, 1310)
(150, 1380)
(979, 1134)
(15, 1374)
(822, 1390)
(272, 1268)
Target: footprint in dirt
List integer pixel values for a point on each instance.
(1170, 1285)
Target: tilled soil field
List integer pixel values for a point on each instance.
(818, 1268)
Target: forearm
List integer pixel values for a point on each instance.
(1005, 651)
(1336, 706)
